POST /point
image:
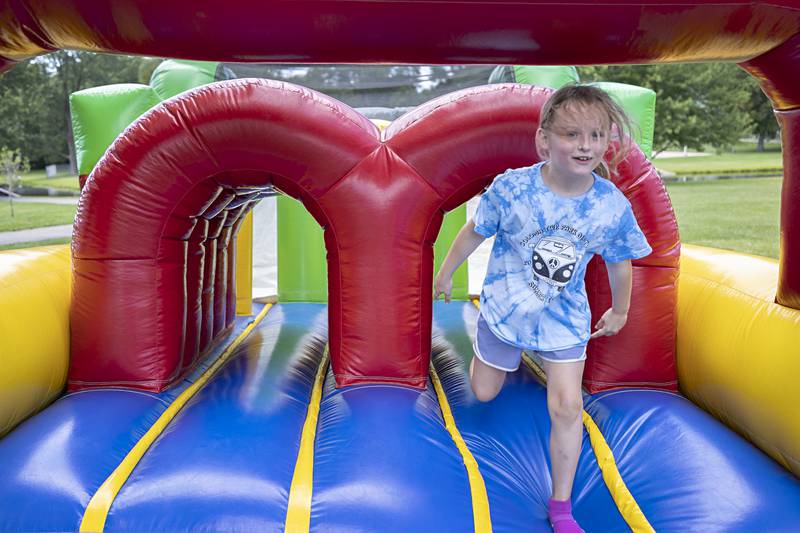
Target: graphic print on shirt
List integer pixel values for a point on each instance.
(553, 259)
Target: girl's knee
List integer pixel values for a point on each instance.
(485, 392)
(565, 407)
(486, 381)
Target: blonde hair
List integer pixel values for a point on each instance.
(584, 96)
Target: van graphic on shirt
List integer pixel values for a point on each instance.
(554, 260)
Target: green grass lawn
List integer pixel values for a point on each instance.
(744, 160)
(37, 178)
(736, 214)
(33, 215)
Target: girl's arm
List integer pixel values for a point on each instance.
(464, 244)
(620, 277)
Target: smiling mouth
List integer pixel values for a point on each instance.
(583, 159)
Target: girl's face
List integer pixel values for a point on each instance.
(575, 141)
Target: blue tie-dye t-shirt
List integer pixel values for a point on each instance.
(533, 294)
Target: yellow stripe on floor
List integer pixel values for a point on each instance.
(94, 518)
(481, 517)
(624, 500)
(298, 514)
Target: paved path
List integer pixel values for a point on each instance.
(64, 200)
(39, 234)
(35, 235)
(664, 154)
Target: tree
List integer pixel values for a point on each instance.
(26, 122)
(12, 166)
(697, 104)
(762, 116)
(373, 85)
(73, 71)
(34, 98)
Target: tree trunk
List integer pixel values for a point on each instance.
(73, 162)
(760, 145)
(69, 69)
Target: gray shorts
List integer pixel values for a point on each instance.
(503, 356)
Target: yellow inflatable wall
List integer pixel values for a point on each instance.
(34, 330)
(738, 351)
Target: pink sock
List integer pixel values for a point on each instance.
(560, 515)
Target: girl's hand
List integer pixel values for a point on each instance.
(442, 285)
(609, 324)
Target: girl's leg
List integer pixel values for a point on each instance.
(565, 404)
(486, 380)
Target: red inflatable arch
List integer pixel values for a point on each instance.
(153, 236)
(155, 226)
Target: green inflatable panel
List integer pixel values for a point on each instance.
(100, 114)
(452, 223)
(640, 104)
(302, 267)
(554, 77)
(174, 76)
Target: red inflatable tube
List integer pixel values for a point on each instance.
(776, 70)
(230, 304)
(455, 32)
(643, 353)
(225, 283)
(195, 278)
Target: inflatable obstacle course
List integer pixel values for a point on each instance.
(411, 452)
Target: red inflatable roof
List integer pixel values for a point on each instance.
(412, 31)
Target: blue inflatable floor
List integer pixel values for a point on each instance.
(383, 458)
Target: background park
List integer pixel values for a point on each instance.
(715, 142)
